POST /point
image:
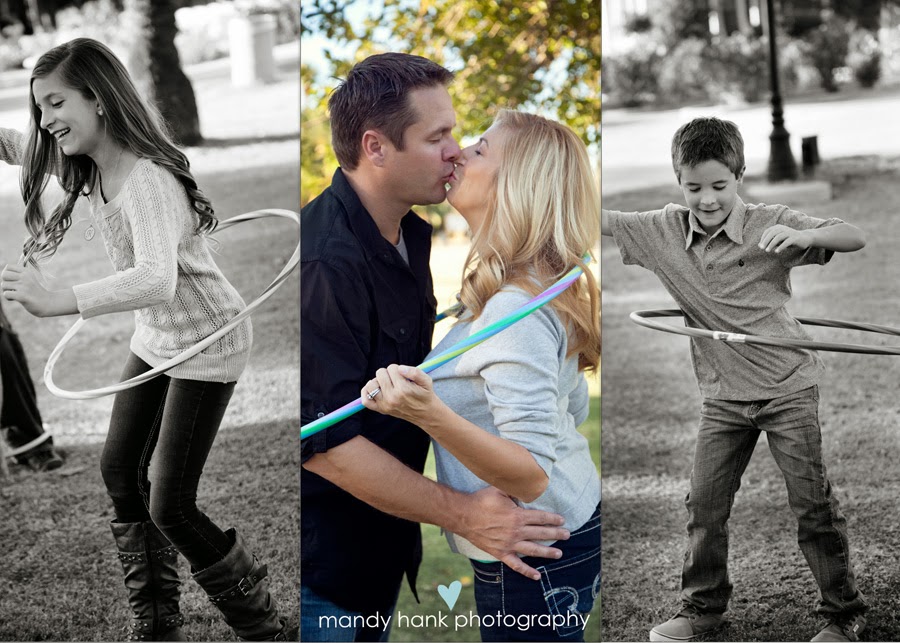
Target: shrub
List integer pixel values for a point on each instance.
(684, 76)
(632, 76)
(827, 48)
(864, 57)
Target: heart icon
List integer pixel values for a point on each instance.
(450, 594)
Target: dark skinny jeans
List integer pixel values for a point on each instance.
(175, 422)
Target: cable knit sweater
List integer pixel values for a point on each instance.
(165, 273)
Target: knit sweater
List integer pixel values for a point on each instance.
(520, 386)
(165, 273)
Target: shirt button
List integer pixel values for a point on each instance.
(709, 247)
(320, 415)
(403, 331)
(709, 266)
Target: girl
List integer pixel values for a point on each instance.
(529, 196)
(91, 128)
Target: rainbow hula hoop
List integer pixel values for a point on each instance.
(196, 348)
(457, 349)
(646, 319)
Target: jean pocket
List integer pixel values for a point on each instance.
(487, 572)
(570, 587)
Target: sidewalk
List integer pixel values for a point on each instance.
(636, 144)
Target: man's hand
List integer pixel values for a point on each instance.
(495, 524)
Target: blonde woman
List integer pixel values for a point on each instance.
(505, 413)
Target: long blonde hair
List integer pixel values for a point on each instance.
(543, 217)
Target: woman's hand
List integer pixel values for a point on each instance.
(22, 285)
(405, 392)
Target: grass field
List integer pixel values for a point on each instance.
(650, 413)
(59, 574)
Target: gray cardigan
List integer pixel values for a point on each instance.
(519, 385)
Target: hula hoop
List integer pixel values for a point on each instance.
(644, 318)
(12, 453)
(196, 348)
(355, 406)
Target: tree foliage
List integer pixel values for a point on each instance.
(537, 55)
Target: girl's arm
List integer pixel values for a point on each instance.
(11, 144)
(407, 393)
(157, 211)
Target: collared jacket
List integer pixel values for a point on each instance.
(361, 308)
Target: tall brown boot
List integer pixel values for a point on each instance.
(150, 563)
(238, 586)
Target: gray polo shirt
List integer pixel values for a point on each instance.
(726, 282)
(520, 385)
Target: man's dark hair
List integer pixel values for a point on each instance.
(708, 139)
(375, 95)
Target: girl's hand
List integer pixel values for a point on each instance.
(22, 285)
(406, 392)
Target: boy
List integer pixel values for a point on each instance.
(727, 264)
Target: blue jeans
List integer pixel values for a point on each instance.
(173, 421)
(512, 607)
(317, 624)
(727, 436)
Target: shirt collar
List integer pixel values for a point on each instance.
(733, 228)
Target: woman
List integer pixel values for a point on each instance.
(90, 126)
(529, 196)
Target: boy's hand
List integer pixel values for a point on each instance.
(779, 237)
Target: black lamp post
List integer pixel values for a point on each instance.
(781, 162)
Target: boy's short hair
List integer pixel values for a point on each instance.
(375, 95)
(708, 139)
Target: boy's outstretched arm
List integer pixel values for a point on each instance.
(842, 237)
(605, 229)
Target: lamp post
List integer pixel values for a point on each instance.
(781, 162)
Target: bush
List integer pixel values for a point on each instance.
(632, 76)
(827, 49)
(864, 57)
(684, 76)
(741, 66)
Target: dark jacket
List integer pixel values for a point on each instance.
(362, 308)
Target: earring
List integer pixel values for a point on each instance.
(99, 111)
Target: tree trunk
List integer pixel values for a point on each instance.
(155, 68)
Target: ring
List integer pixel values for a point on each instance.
(644, 318)
(269, 290)
(372, 395)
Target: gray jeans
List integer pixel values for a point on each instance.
(727, 436)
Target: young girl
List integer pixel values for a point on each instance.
(91, 128)
(505, 413)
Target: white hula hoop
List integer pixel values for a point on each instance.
(196, 348)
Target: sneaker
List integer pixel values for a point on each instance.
(847, 628)
(688, 624)
(43, 460)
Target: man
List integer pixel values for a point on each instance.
(366, 302)
(19, 411)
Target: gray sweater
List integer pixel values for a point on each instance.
(519, 385)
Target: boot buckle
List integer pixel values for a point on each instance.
(245, 585)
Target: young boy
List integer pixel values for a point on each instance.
(727, 264)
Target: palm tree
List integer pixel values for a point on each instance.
(153, 62)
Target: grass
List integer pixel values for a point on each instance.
(650, 414)
(61, 579)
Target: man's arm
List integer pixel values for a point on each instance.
(489, 519)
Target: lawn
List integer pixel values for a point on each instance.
(60, 576)
(650, 413)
